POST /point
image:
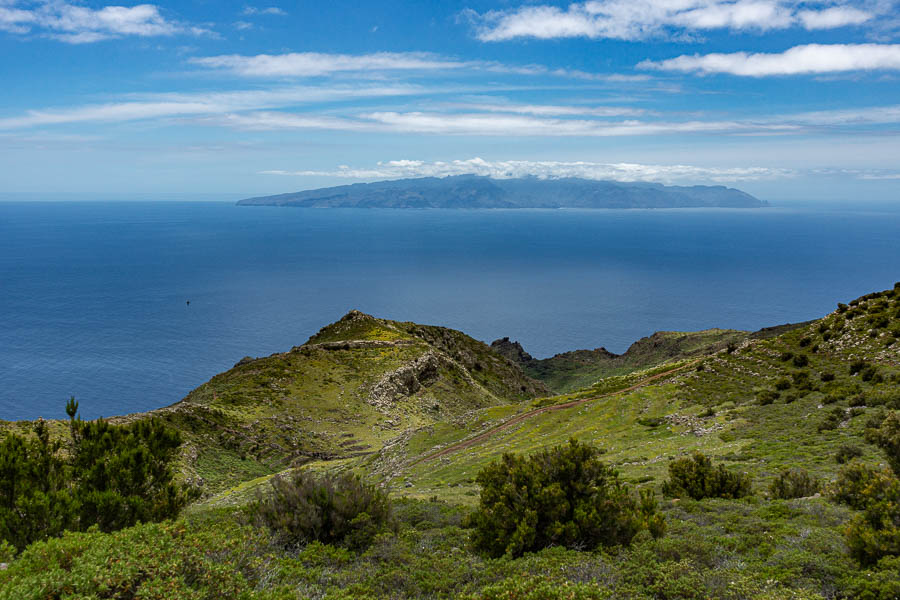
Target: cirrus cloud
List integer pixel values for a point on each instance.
(311, 64)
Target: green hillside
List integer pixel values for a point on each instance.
(354, 386)
(420, 410)
(577, 369)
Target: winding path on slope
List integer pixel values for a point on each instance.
(532, 413)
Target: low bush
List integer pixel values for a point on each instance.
(887, 437)
(858, 400)
(800, 360)
(782, 384)
(870, 373)
(846, 453)
(875, 533)
(563, 496)
(157, 560)
(697, 478)
(766, 397)
(334, 509)
(832, 420)
(879, 583)
(802, 380)
(826, 377)
(794, 483)
(857, 365)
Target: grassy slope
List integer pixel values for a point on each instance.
(714, 548)
(578, 369)
(353, 387)
(712, 408)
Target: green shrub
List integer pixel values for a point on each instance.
(826, 377)
(801, 360)
(786, 356)
(563, 496)
(766, 397)
(875, 532)
(794, 483)
(801, 380)
(832, 397)
(858, 484)
(831, 420)
(157, 560)
(805, 341)
(538, 588)
(696, 478)
(109, 476)
(333, 509)
(782, 384)
(857, 365)
(858, 400)
(870, 373)
(878, 583)
(846, 453)
(887, 437)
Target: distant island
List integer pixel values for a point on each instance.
(473, 191)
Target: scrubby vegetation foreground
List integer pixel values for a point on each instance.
(767, 469)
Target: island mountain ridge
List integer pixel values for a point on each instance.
(474, 191)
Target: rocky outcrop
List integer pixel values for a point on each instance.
(406, 380)
(512, 351)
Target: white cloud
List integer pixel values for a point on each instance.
(831, 18)
(491, 124)
(397, 169)
(317, 64)
(272, 10)
(799, 60)
(180, 105)
(641, 19)
(549, 110)
(311, 64)
(16, 20)
(76, 24)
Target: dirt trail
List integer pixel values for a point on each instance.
(553, 407)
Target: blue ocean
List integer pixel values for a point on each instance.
(130, 305)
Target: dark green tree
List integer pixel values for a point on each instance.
(564, 496)
(112, 476)
(697, 478)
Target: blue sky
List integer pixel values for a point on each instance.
(782, 98)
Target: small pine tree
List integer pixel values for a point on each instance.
(110, 476)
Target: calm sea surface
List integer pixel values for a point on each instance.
(93, 296)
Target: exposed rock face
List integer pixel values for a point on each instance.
(511, 350)
(407, 380)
